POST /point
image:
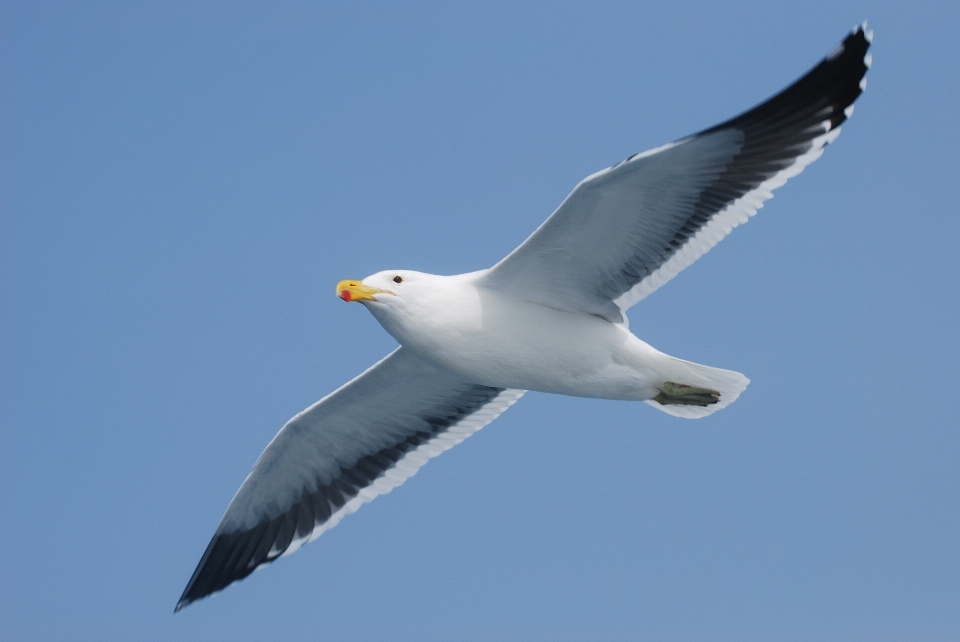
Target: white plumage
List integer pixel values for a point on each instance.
(550, 317)
(471, 328)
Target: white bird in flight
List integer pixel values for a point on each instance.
(549, 317)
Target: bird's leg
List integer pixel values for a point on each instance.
(683, 395)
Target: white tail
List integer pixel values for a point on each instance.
(727, 382)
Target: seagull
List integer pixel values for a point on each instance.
(549, 317)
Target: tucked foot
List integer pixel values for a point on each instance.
(679, 394)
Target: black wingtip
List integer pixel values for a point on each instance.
(188, 597)
(224, 562)
(830, 88)
(184, 601)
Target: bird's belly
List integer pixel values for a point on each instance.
(532, 347)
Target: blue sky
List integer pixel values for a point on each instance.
(183, 184)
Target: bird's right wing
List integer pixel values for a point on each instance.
(359, 442)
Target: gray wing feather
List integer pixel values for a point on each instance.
(614, 227)
(628, 229)
(359, 442)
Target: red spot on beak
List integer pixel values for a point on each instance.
(345, 295)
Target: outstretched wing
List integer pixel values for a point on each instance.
(626, 230)
(362, 441)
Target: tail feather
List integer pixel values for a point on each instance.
(727, 382)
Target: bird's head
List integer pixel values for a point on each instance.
(394, 290)
(377, 287)
(404, 302)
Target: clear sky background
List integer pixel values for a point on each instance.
(182, 185)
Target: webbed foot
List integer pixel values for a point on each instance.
(683, 395)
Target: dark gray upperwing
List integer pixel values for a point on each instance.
(361, 441)
(628, 229)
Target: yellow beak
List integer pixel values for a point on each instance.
(357, 291)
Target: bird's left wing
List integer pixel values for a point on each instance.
(626, 230)
(359, 442)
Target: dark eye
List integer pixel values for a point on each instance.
(398, 279)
